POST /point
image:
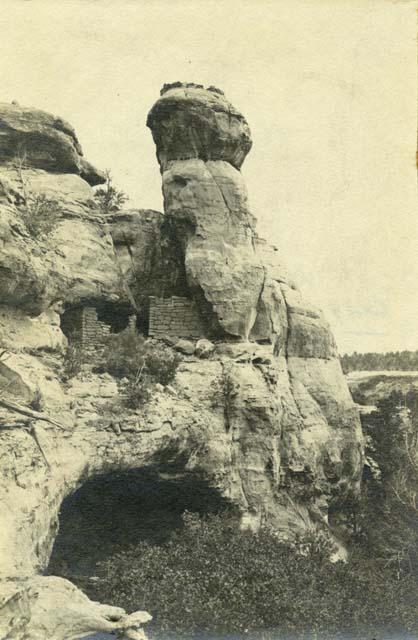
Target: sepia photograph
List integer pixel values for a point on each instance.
(208, 320)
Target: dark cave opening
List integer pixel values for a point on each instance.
(110, 512)
(116, 315)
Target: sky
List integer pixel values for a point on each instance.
(329, 90)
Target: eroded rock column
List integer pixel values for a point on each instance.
(202, 141)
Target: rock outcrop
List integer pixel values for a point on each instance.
(202, 141)
(51, 607)
(259, 410)
(43, 142)
(41, 274)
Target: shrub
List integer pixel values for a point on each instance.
(142, 361)
(225, 391)
(136, 392)
(37, 401)
(39, 214)
(161, 362)
(108, 198)
(211, 577)
(128, 354)
(124, 354)
(72, 361)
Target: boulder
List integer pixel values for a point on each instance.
(22, 332)
(204, 348)
(51, 607)
(185, 346)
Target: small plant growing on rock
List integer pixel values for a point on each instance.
(72, 361)
(108, 198)
(225, 391)
(136, 392)
(139, 363)
(39, 213)
(37, 401)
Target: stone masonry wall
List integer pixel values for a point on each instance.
(93, 332)
(175, 316)
(85, 329)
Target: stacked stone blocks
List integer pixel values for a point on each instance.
(87, 330)
(175, 316)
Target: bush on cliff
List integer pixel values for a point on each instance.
(211, 577)
(140, 362)
(109, 199)
(39, 213)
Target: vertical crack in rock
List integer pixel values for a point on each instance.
(288, 323)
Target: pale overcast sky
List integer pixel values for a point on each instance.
(329, 91)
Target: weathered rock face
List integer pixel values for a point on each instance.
(74, 262)
(201, 140)
(43, 142)
(41, 165)
(192, 122)
(148, 255)
(261, 414)
(58, 610)
(201, 143)
(238, 275)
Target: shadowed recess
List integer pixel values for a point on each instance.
(113, 511)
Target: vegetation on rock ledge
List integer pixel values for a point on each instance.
(39, 213)
(139, 363)
(109, 199)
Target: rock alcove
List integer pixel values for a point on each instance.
(115, 510)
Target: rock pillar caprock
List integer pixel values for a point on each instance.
(202, 141)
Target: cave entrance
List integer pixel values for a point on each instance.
(112, 511)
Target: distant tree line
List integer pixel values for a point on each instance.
(392, 360)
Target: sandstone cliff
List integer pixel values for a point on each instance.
(264, 418)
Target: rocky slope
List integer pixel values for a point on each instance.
(263, 416)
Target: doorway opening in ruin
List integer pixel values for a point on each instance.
(118, 316)
(113, 511)
(89, 325)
